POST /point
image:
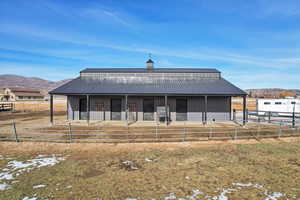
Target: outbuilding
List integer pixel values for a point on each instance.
(149, 94)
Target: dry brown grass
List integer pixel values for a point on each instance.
(38, 106)
(94, 171)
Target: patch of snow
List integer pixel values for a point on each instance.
(15, 168)
(195, 194)
(6, 176)
(248, 185)
(4, 186)
(170, 196)
(38, 186)
(223, 196)
(223, 193)
(29, 198)
(274, 196)
(148, 160)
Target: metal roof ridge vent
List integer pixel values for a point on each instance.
(150, 65)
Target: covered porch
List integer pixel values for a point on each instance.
(162, 109)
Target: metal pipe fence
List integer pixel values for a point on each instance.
(69, 133)
(286, 118)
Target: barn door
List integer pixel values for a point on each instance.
(116, 107)
(148, 108)
(82, 109)
(181, 109)
(99, 108)
(132, 112)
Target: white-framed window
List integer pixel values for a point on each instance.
(267, 103)
(278, 103)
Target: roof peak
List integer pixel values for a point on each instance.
(150, 61)
(155, 70)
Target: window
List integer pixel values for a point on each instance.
(278, 103)
(293, 102)
(267, 103)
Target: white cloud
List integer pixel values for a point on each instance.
(197, 54)
(105, 16)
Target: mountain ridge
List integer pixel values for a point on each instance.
(12, 80)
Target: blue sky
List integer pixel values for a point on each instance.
(256, 44)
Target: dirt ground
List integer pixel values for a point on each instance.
(36, 126)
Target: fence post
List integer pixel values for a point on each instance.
(14, 129)
(258, 130)
(156, 133)
(70, 132)
(279, 134)
(269, 117)
(128, 137)
(184, 132)
(293, 123)
(234, 115)
(235, 134)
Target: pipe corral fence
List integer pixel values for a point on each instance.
(282, 118)
(21, 131)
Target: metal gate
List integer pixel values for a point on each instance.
(82, 109)
(181, 109)
(148, 109)
(116, 107)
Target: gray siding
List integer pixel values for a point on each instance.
(73, 107)
(195, 108)
(218, 108)
(172, 106)
(97, 104)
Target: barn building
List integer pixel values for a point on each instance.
(149, 94)
(20, 94)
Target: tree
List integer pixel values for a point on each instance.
(286, 94)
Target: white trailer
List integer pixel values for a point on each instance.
(280, 107)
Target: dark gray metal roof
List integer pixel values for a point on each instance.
(144, 70)
(161, 87)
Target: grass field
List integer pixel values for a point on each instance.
(237, 170)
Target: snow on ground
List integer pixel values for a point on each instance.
(29, 198)
(4, 186)
(15, 168)
(223, 195)
(38, 186)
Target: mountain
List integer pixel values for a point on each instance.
(9, 80)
